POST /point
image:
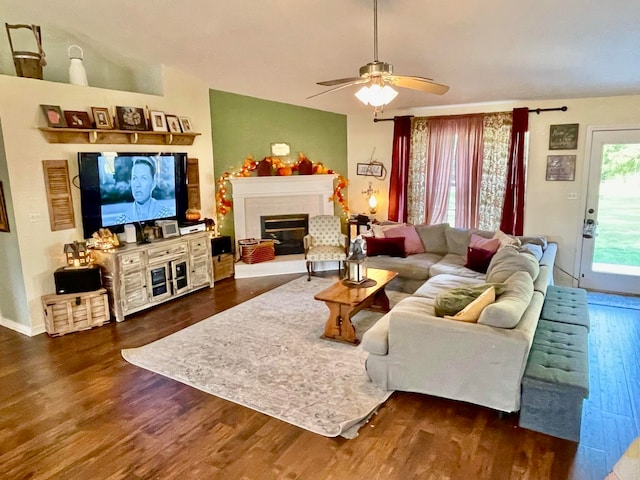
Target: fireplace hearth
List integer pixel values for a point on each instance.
(286, 230)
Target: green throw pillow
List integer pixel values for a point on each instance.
(454, 300)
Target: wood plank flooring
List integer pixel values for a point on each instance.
(72, 408)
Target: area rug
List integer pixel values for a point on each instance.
(267, 354)
(611, 300)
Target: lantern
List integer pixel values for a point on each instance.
(356, 270)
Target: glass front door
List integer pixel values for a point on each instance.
(610, 258)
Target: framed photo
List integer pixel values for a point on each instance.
(563, 137)
(54, 116)
(4, 219)
(77, 119)
(158, 121)
(131, 118)
(561, 168)
(185, 124)
(102, 117)
(173, 123)
(370, 169)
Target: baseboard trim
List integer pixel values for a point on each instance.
(20, 328)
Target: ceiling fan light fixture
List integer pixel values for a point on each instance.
(375, 95)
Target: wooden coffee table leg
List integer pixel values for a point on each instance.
(381, 301)
(338, 325)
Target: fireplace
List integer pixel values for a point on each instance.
(254, 197)
(287, 231)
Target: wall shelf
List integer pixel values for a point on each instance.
(90, 135)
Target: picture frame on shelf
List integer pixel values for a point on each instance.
(102, 118)
(131, 118)
(4, 219)
(561, 168)
(158, 121)
(173, 123)
(54, 116)
(77, 119)
(185, 124)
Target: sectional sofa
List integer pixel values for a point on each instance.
(482, 362)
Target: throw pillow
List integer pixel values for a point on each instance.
(478, 259)
(488, 244)
(393, 247)
(472, 312)
(452, 301)
(433, 237)
(379, 229)
(505, 239)
(412, 242)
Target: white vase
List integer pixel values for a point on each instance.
(77, 72)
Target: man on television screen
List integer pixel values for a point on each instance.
(143, 181)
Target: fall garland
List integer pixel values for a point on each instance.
(224, 203)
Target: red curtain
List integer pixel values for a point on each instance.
(399, 169)
(513, 209)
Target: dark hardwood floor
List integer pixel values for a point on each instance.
(72, 408)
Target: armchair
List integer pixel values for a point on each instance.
(325, 242)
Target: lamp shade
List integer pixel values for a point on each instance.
(375, 95)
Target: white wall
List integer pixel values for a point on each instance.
(25, 148)
(548, 209)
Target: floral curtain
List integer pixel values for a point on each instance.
(416, 186)
(497, 135)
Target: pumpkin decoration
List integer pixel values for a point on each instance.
(192, 214)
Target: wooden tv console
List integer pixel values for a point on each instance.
(139, 276)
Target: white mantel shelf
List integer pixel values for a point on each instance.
(254, 197)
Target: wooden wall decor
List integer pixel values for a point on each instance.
(193, 184)
(4, 218)
(56, 179)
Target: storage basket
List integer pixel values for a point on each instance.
(256, 251)
(73, 312)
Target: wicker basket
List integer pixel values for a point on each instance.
(256, 251)
(73, 312)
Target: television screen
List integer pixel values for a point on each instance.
(121, 188)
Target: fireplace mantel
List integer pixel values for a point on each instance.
(276, 195)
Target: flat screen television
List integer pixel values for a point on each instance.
(117, 188)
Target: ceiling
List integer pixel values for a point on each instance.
(485, 50)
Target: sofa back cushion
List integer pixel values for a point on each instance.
(458, 239)
(412, 242)
(508, 309)
(433, 237)
(508, 260)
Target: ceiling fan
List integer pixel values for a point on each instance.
(378, 79)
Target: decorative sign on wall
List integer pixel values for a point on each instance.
(370, 169)
(561, 168)
(563, 137)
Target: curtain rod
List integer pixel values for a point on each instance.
(531, 110)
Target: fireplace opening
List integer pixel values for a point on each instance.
(286, 230)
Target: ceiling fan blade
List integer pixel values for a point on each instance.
(338, 81)
(418, 83)
(356, 81)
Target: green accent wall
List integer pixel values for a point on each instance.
(242, 126)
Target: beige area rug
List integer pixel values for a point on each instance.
(267, 354)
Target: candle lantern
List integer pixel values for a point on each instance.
(356, 269)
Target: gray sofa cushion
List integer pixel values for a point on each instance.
(458, 238)
(507, 310)
(508, 260)
(415, 267)
(433, 237)
(452, 264)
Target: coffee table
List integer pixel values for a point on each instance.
(344, 300)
